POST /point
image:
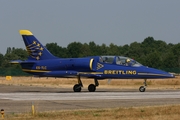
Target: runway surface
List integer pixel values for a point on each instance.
(90, 96)
(18, 99)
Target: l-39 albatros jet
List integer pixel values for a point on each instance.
(43, 64)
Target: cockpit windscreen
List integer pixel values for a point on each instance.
(119, 60)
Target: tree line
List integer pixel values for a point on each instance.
(153, 53)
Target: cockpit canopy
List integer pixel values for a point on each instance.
(119, 60)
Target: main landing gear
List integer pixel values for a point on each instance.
(143, 88)
(91, 87)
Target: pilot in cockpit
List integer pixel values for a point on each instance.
(128, 62)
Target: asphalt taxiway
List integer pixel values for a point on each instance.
(18, 99)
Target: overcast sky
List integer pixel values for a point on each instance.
(103, 21)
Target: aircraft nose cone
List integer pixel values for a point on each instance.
(155, 73)
(171, 75)
(168, 75)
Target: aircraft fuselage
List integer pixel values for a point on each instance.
(90, 67)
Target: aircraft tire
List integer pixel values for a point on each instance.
(77, 88)
(92, 88)
(142, 89)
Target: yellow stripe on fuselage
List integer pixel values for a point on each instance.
(25, 32)
(27, 70)
(90, 73)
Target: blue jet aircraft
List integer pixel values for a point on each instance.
(43, 64)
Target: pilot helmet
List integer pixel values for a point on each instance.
(128, 60)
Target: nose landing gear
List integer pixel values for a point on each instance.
(143, 88)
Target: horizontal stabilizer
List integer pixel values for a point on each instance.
(15, 61)
(20, 61)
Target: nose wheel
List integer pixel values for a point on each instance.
(143, 88)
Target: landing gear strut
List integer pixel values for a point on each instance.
(143, 88)
(92, 87)
(77, 87)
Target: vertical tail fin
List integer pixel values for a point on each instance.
(35, 49)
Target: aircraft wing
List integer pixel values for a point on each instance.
(72, 74)
(91, 74)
